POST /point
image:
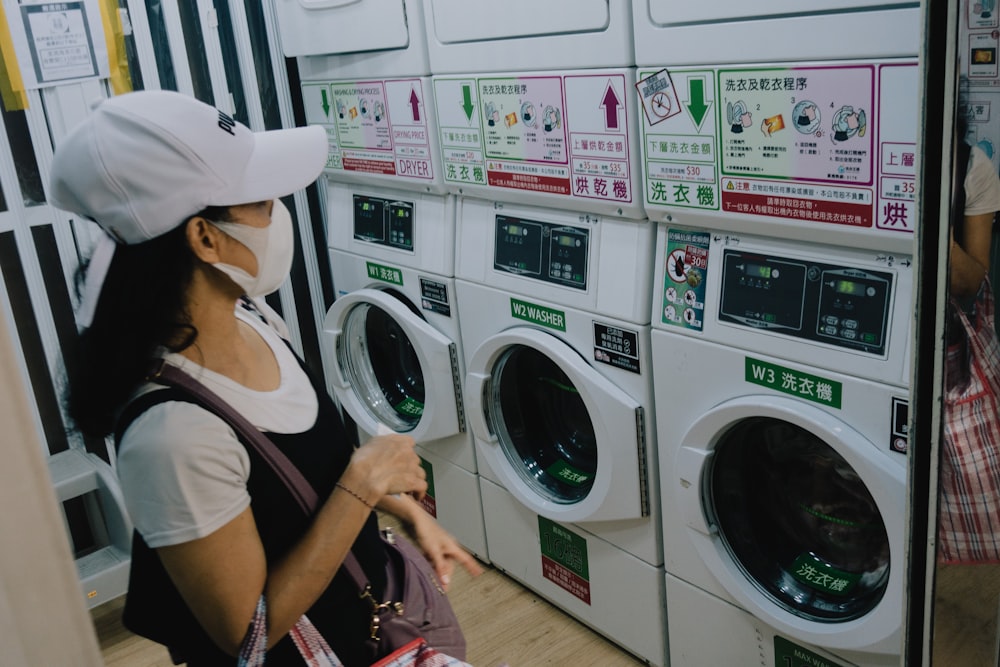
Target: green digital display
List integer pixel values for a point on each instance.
(566, 241)
(759, 270)
(849, 287)
(514, 229)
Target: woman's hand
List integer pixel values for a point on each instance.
(441, 549)
(386, 465)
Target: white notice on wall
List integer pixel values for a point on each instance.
(57, 42)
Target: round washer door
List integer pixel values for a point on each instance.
(391, 367)
(799, 518)
(562, 438)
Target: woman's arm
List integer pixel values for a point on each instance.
(970, 261)
(440, 547)
(222, 575)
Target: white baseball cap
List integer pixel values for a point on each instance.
(143, 163)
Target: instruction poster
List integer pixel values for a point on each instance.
(57, 42)
(819, 145)
(684, 271)
(681, 156)
(374, 127)
(795, 143)
(560, 135)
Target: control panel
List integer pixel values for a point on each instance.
(555, 253)
(383, 221)
(835, 304)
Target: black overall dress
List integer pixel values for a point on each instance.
(155, 609)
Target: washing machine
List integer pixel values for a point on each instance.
(526, 35)
(364, 36)
(780, 375)
(394, 333)
(730, 31)
(558, 394)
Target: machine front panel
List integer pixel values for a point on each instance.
(839, 305)
(384, 222)
(553, 253)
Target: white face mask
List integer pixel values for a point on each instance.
(273, 246)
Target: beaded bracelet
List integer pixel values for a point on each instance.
(367, 504)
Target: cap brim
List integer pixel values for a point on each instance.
(282, 162)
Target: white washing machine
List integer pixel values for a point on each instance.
(526, 35)
(558, 393)
(732, 31)
(365, 37)
(781, 374)
(394, 331)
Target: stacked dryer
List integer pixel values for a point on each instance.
(553, 265)
(783, 187)
(394, 350)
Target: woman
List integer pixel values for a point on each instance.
(190, 198)
(972, 233)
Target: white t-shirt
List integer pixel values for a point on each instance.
(183, 471)
(982, 185)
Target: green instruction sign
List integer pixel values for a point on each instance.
(822, 576)
(409, 407)
(564, 558)
(787, 654)
(530, 312)
(386, 274)
(568, 474)
(790, 381)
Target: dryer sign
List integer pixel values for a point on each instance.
(611, 105)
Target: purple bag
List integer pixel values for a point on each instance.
(416, 605)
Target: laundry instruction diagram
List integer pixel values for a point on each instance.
(825, 144)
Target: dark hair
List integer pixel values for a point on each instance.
(142, 307)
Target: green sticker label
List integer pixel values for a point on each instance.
(530, 312)
(790, 381)
(564, 558)
(822, 576)
(409, 407)
(429, 500)
(386, 274)
(787, 654)
(568, 474)
(429, 470)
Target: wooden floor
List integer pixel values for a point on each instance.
(503, 623)
(507, 623)
(965, 615)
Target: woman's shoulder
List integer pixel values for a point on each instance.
(168, 430)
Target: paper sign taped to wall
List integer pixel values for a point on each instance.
(57, 42)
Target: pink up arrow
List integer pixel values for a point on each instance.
(611, 103)
(415, 105)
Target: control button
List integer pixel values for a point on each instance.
(832, 319)
(849, 334)
(830, 331)
(851, 324)
(556, 266)
(870, 291)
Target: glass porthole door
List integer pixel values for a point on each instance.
(562, 438)
(798, 517)
(390, 368)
